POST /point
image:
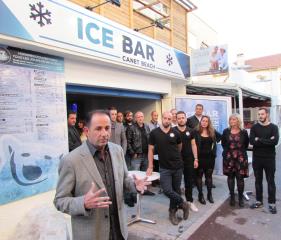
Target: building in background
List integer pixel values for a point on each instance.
(265, 76)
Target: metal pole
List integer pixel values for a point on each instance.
(240, 98)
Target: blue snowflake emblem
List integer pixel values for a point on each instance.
(39, 12)
(169, 59)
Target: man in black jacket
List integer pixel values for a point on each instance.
(74, 140)
(137, 138)
(264, 136)
(193, 121)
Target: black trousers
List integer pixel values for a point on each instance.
(170, 180)
(268, 166)
(208, 172)
(189, 175)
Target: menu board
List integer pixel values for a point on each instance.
(33, 129)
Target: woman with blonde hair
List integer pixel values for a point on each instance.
(206, 138)
(235, 142)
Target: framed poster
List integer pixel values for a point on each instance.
(217, 107)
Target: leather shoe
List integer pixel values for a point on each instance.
(201, 199)
(210, 198)
(148, 193)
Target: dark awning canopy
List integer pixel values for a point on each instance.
(225, 90)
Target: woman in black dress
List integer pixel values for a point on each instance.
(206, 139)
(235, 142)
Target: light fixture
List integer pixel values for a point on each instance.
(114, 2)
(155, 23)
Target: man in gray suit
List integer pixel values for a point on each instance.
(118, 134)
(92, 180)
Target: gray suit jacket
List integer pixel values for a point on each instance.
(77, 171)
(118, 135)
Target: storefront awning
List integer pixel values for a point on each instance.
(90, 90)
(225, 90)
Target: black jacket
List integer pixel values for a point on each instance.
(197, 137)
(134, 138)
(192, 122)
(74, 140)
(244, 140)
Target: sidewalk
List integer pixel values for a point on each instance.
(156, 208)
(246, 223)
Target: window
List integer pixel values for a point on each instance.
(154, 10)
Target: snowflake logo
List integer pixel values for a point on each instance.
(38, 12)
(169, 60)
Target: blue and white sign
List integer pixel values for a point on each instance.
(219, 110)
(33, 129)
(65, 25)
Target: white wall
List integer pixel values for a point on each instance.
(99, 75)
(200, 31)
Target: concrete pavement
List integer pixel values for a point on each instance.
(156, 208)
(246, 223)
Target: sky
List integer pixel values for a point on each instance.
(247, 26)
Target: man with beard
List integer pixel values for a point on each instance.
(168, 143)
(264, 137)
(128, 121)
(189, 155)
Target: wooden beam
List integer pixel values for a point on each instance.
(147, 5)
(152, 9)
(101, 9)
(171, 23)
(131, 14)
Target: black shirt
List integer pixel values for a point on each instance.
(104, 166)
(186, 136)
(206, 147)
(167, 147)
(268, 136)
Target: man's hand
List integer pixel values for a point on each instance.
(272, 138)
(141, 184)
(93, 198)
(256, 139)
(195, 165)
(149, 171)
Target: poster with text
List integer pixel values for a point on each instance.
(219, 110)
(33, 129)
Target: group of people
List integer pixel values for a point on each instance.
(93, 177)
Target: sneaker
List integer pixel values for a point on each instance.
(192, 207)
(272, 208)
(257, 204)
